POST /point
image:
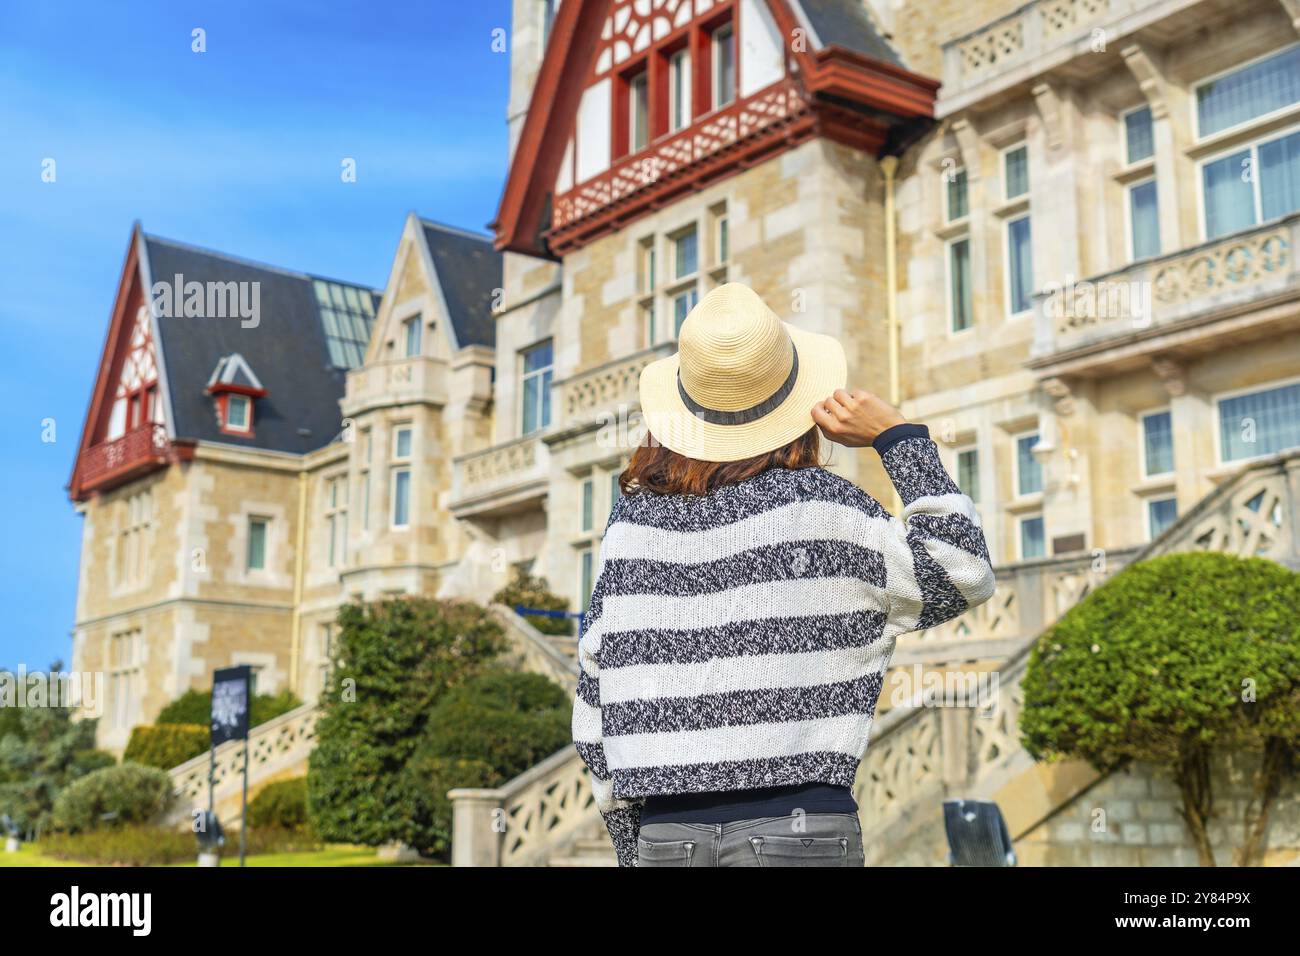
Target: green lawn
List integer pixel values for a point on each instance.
(333, 855)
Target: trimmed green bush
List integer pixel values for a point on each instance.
(394, 662)
(507, 720)
(166, 745)
(524, 590)
(1168, 662)
(112, 796)
(131, 845)
(281, 805)
(426, 781)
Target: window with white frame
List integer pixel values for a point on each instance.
(1248, 92)
(1029, 471)
(638, 112)
(1259, 422)
(968, 473)
(588, 503)
(401, 477)
(325, 653)
(586, 576)
(961, 309)
(363, 482)
(256, 555)
(1139, 135)
(134, 539)
(125, 684)
(547, 18)
(724, 66)
(720, 226)
(413, 330)
(679, 90)
(1015, 172)
(956, 197)
(336, 518)
(1161, 513)
(536, 370)
(1143, 220)
(1020, 266)
(1033, 538)
(237, 417)
(1157, 444)
(685, 292)
(646, 288)
(1251, 184)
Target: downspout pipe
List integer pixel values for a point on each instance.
(889, 167)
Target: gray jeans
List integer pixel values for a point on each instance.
(813, 839)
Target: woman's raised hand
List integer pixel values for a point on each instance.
(855, 418)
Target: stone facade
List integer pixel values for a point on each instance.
(806, 227)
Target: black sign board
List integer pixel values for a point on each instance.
(230, 702)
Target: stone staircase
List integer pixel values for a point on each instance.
(919, 755)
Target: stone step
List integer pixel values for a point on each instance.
(576, 861)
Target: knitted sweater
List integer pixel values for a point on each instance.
(739, 639)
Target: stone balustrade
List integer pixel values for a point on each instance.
(501, 470)
(603, 394)
(1020, 37)
(275, 747)
(1168, 290)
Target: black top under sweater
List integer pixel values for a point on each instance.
(736, 805)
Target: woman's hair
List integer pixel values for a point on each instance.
(654, 467)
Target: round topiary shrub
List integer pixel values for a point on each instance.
(112, 796)
(507, 720)
(1167, 662)
(166, 745)
(281, 805)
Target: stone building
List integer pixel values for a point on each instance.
(1059, 232)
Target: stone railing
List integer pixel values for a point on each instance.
(406, 379)
(527, 820)
(1216, 276)
(277, 746)
(532, 652)
(1036, 28)
(603, 393)
(920, 755)
(499, 469)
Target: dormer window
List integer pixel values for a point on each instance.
(233, 387)
(239, 413)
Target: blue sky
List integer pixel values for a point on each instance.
(236, 149)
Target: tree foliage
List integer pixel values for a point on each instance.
(525, 590)
(394, 661)
(42, 750)
(1172, 660)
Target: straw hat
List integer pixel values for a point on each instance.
(742, 382)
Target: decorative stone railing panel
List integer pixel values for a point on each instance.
(1166, 290)
(606, 391)
(499, 468)
(274, 746)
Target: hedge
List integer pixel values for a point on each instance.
(281, 805)
(524, 590)
(166, 745)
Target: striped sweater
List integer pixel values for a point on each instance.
(739, 639)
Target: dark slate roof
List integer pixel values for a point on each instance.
(847, 23)
(300, 411)
(469, 271)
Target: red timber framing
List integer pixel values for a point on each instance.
(833, 92)
(142, 443)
